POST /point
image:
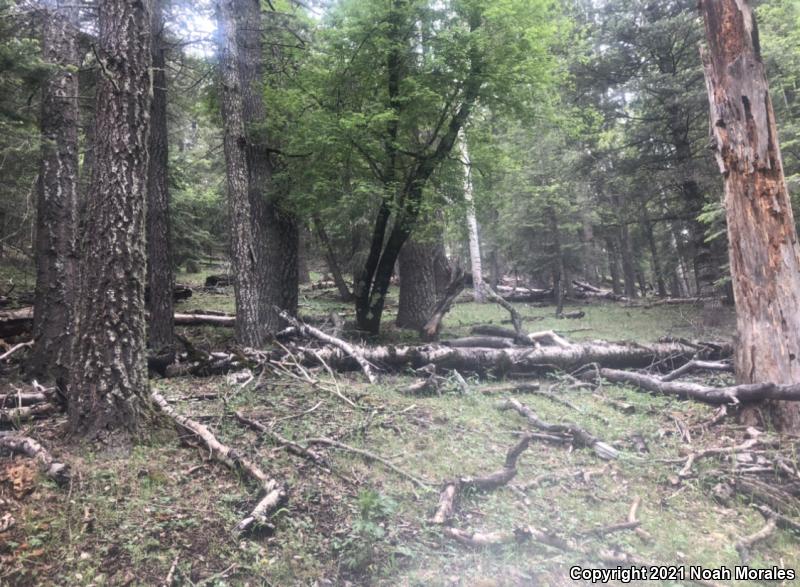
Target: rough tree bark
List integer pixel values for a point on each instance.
(472, 223)
(108, 386)
(57, 198)
(160, 278)
(762, 240)
(247, 239)
(417, 284)
(278, 259)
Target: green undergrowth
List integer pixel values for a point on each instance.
(128, 518)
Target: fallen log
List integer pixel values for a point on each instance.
(16, 322)
(491, 342)
(58, 472)
(517, 361)
(586, 290)
(734, 394)
(698, 366)
(524, 294)
(20, 399)
(26, 413)
(192, 319)
(273, 491)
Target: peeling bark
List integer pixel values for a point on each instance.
(762, 240)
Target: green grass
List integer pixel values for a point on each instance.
(362, 523)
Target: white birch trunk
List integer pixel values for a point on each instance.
(472, 224)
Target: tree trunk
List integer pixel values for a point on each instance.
(57, 206)
(559, 276)
(613, 265)
(277, 256)
(417, 284)
(108, 384)
(762, 240)
(160, 278)
(628, 266)
(303, 274)
(472, 223)
(330, 256)
(247, 239)
(655, 259)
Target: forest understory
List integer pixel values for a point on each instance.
(668, 481)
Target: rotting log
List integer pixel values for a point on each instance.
(26, 413)
(491, 342)
(524, 360)
(273, 492)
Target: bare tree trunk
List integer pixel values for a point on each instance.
(330, 256)
(57, 205)
(160, 277)
(247, 239)
(417, 284)
(559, 277)
(762, 240)
(613, 265)
(108, 382)
(303, 274)
(655, 259)
(278, 260)
(472, 223)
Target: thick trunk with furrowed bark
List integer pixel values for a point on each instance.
(764, 254)
(108, 385)
(247, 239)
(57, 199)
(277, 258)
(417, 283)
(160, 278)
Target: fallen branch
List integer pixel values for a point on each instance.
(641, 532)
(698, 366)
(26, 413)
(371, 457)
(273, 491)
(326, 338)
(14, 443)
(516, 317)
(21, 399)
(290, 445)
(518, 535)
(745, 544)
(451, 489)
(15, 348)
(579, 436)
(734, 394)
(492, 342)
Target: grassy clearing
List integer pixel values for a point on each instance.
(128, 517)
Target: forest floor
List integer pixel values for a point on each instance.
(164, 509)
